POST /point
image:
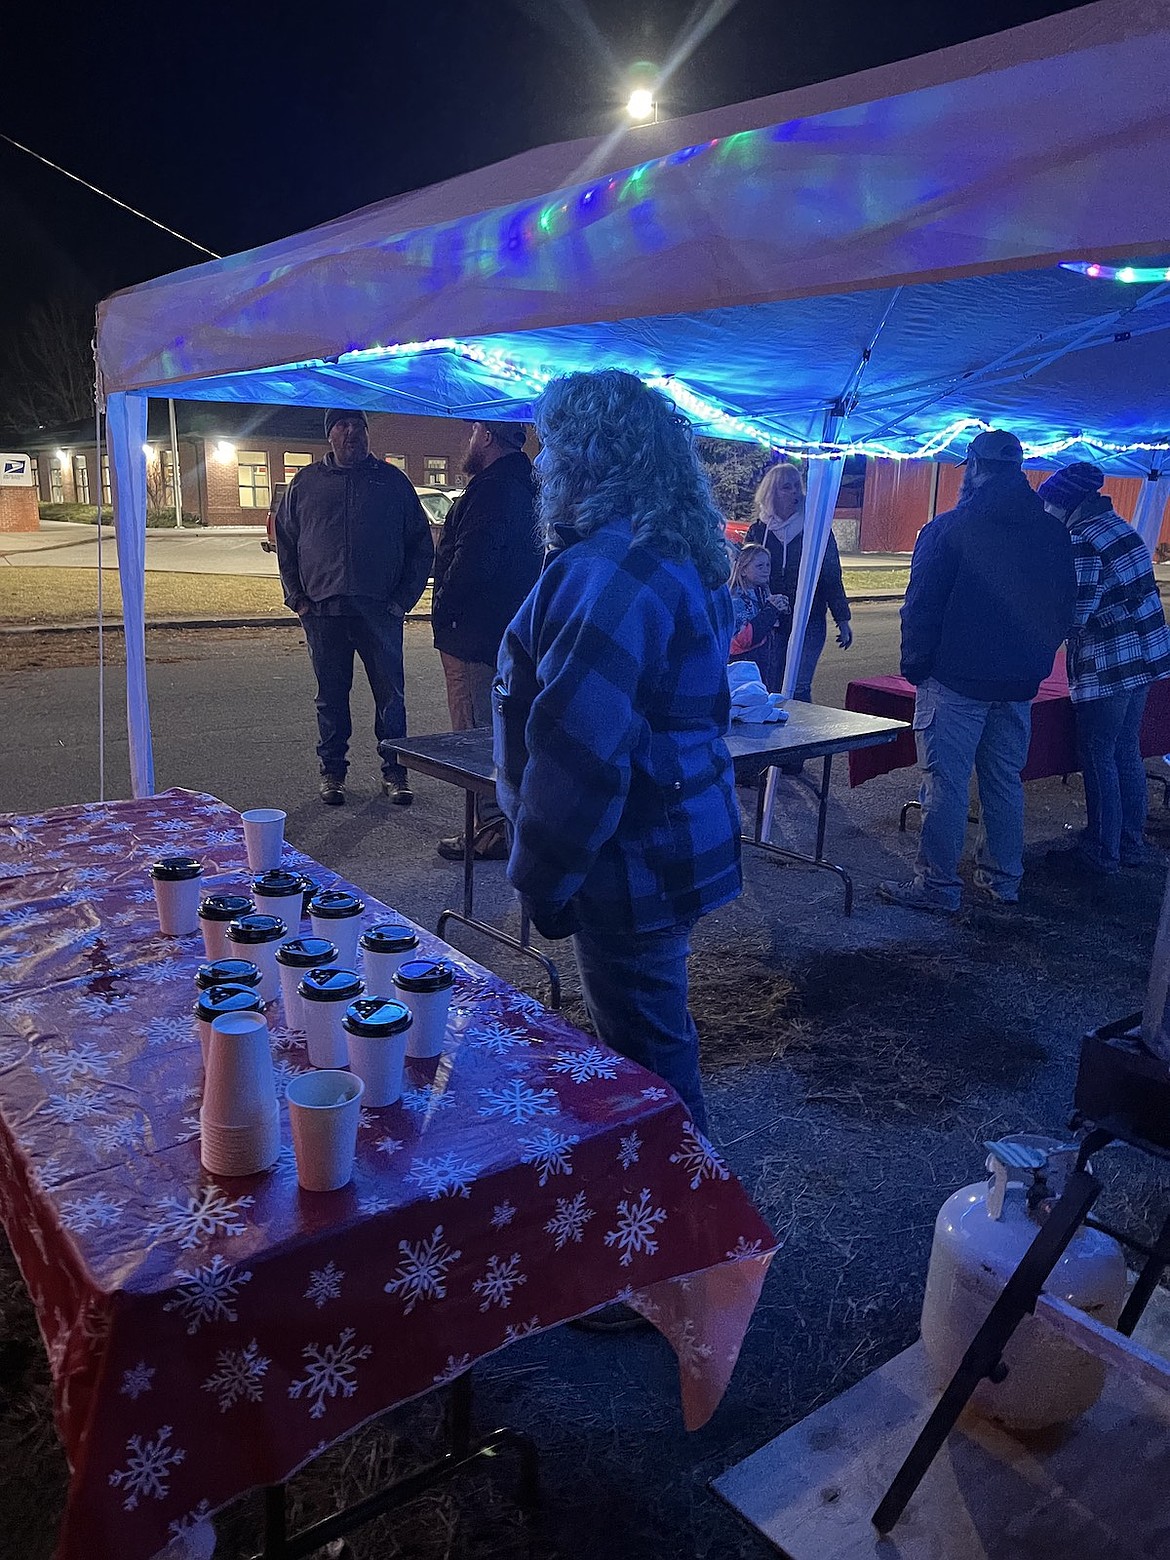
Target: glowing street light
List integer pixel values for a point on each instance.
(641, 106)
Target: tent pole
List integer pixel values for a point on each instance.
(101, 644)
(175, 477)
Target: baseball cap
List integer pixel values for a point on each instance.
(996, 444)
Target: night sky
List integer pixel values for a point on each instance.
(239, 123)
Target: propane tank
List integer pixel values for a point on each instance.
(980, 1235)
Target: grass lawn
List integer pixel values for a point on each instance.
(864, 582)
(70, 596)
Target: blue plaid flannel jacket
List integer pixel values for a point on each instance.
(1120, 640)
(610, 712)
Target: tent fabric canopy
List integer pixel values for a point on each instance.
(875, 259)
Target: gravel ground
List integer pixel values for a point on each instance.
(853, 1067)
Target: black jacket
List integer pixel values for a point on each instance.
(352, 531)
(830, 591)
(991, 594)
(487, 561)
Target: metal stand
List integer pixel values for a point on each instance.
(279, 1544)
(818, 860)
(467, 917)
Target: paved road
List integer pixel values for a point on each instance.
(222, 550)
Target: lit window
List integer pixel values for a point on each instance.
(107, 491)
(167, 465)
(253, 470)
(56, 489)
(294, 462)
(81, 479)
(395, 460)
(435, 471)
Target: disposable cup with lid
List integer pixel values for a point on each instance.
(214, 1000)
(376, 1031)
(425, 986)
(325, 994)
(227, 972)
(324, 1109)
(384, 948)
(294, 959)
(311, 888)
(177, 885)
(214, 914)
(337, 915)
(258, 936)
(279, 892)
(263, 837)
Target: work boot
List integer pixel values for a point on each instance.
(491, 844)
(333, 790)
(914, 896)
(396, 789)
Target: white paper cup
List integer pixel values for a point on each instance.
(178, 887)
(425, 985)
(323, 1111)
(332, 992)
(384, 948)
(215, 912)
(239, 1089)
(239, 1150)
(376, 1032)
(247, 941)
(343, 933)
(222, 999)
(264, 837)
(290, 979)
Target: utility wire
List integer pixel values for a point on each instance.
(133, 210)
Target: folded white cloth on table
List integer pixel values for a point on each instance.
(750, 700)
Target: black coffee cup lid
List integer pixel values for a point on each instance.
(424, 975)
(389, 937)
(335, 903)
(227, 999)
(227, 972)
(305, 952)
(331, 985)
(225, 907)
(175, 869)
(257, 929)
(278, 882)
(377, 1017)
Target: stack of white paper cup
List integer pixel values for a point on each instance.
(257, 937)
(337, 916)
(214, 914)
(376, 1033)
(215, 1000)
(323, 1110)
(294, 960)
(177, 887)
(280, 893)
(325, 994)
(239, 1123)
(384, 947)
(263, 837)
(425, 986)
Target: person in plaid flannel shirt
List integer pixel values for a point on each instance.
(1119, 646)
(611, 705)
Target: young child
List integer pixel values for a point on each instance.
(756, 611)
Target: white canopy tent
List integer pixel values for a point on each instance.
(870, 264)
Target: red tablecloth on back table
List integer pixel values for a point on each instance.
(209, 1335)
(1053, 750)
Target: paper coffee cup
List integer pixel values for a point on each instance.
(214, 914)
(177, 890)
(239, 1089)
(263, 837)
(337, 915)
(324, 1109)
(280, 893)
(294, 959)
(325, 994)
(425, 986)
(376, 1032)
(384, 948)
(216, 1000)
(257, 937)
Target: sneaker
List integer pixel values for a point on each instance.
(395, 787)
(913, 896)
(332, 790)
(490, 845)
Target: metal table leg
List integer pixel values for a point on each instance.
(818, 860)
(1146, 1282)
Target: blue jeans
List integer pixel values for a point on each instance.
(814, 643)
(955, 736)
(376, 634)
(635, 987)
(1115, 777)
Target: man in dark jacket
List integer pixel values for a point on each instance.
(991, 596)
(487, 561)
(354, 550)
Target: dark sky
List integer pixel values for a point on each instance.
(238, 123)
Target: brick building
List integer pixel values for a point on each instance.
(231, 457)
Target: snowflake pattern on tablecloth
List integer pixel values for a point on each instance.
(502, 1215)
(324, 1284)
(96, 1211)
(97, 1005)
(569, 1221)
(83, 1060)
(284, 1072)
(499, 1280)
(137, 1381)
(692, 1354)
(190, 1220)
(584, 1066)
(390, 1145)
(108, 848)
(654, 1094)
(48, 1174)
(551, 1153)
(422, 1102)
(148, 1469)
(447, 1175)
(238, 1376)
(453, 1369)
(422, 1269)
(65, 1109)
(629, 1150)
(192, 1519)
(744, 1248)
(495, 1038)
(517, 1102)
(637, 1220)
(209, 1294)
(167, 1031)
(223, 837)
(114, 1137)
(698, 1159)
(330, 1370)
(516, 1330)
(374, 1203)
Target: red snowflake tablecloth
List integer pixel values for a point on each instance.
(207, 1336)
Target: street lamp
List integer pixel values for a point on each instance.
(642, 106)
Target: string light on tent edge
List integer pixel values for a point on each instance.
(1118, 273)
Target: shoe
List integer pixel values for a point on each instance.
(996, 898)
(913, 896)
(1075, 862)
(396, 788)
(489, 846)
(332, 790)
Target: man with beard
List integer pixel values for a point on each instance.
(487, 561)
(991, 595)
